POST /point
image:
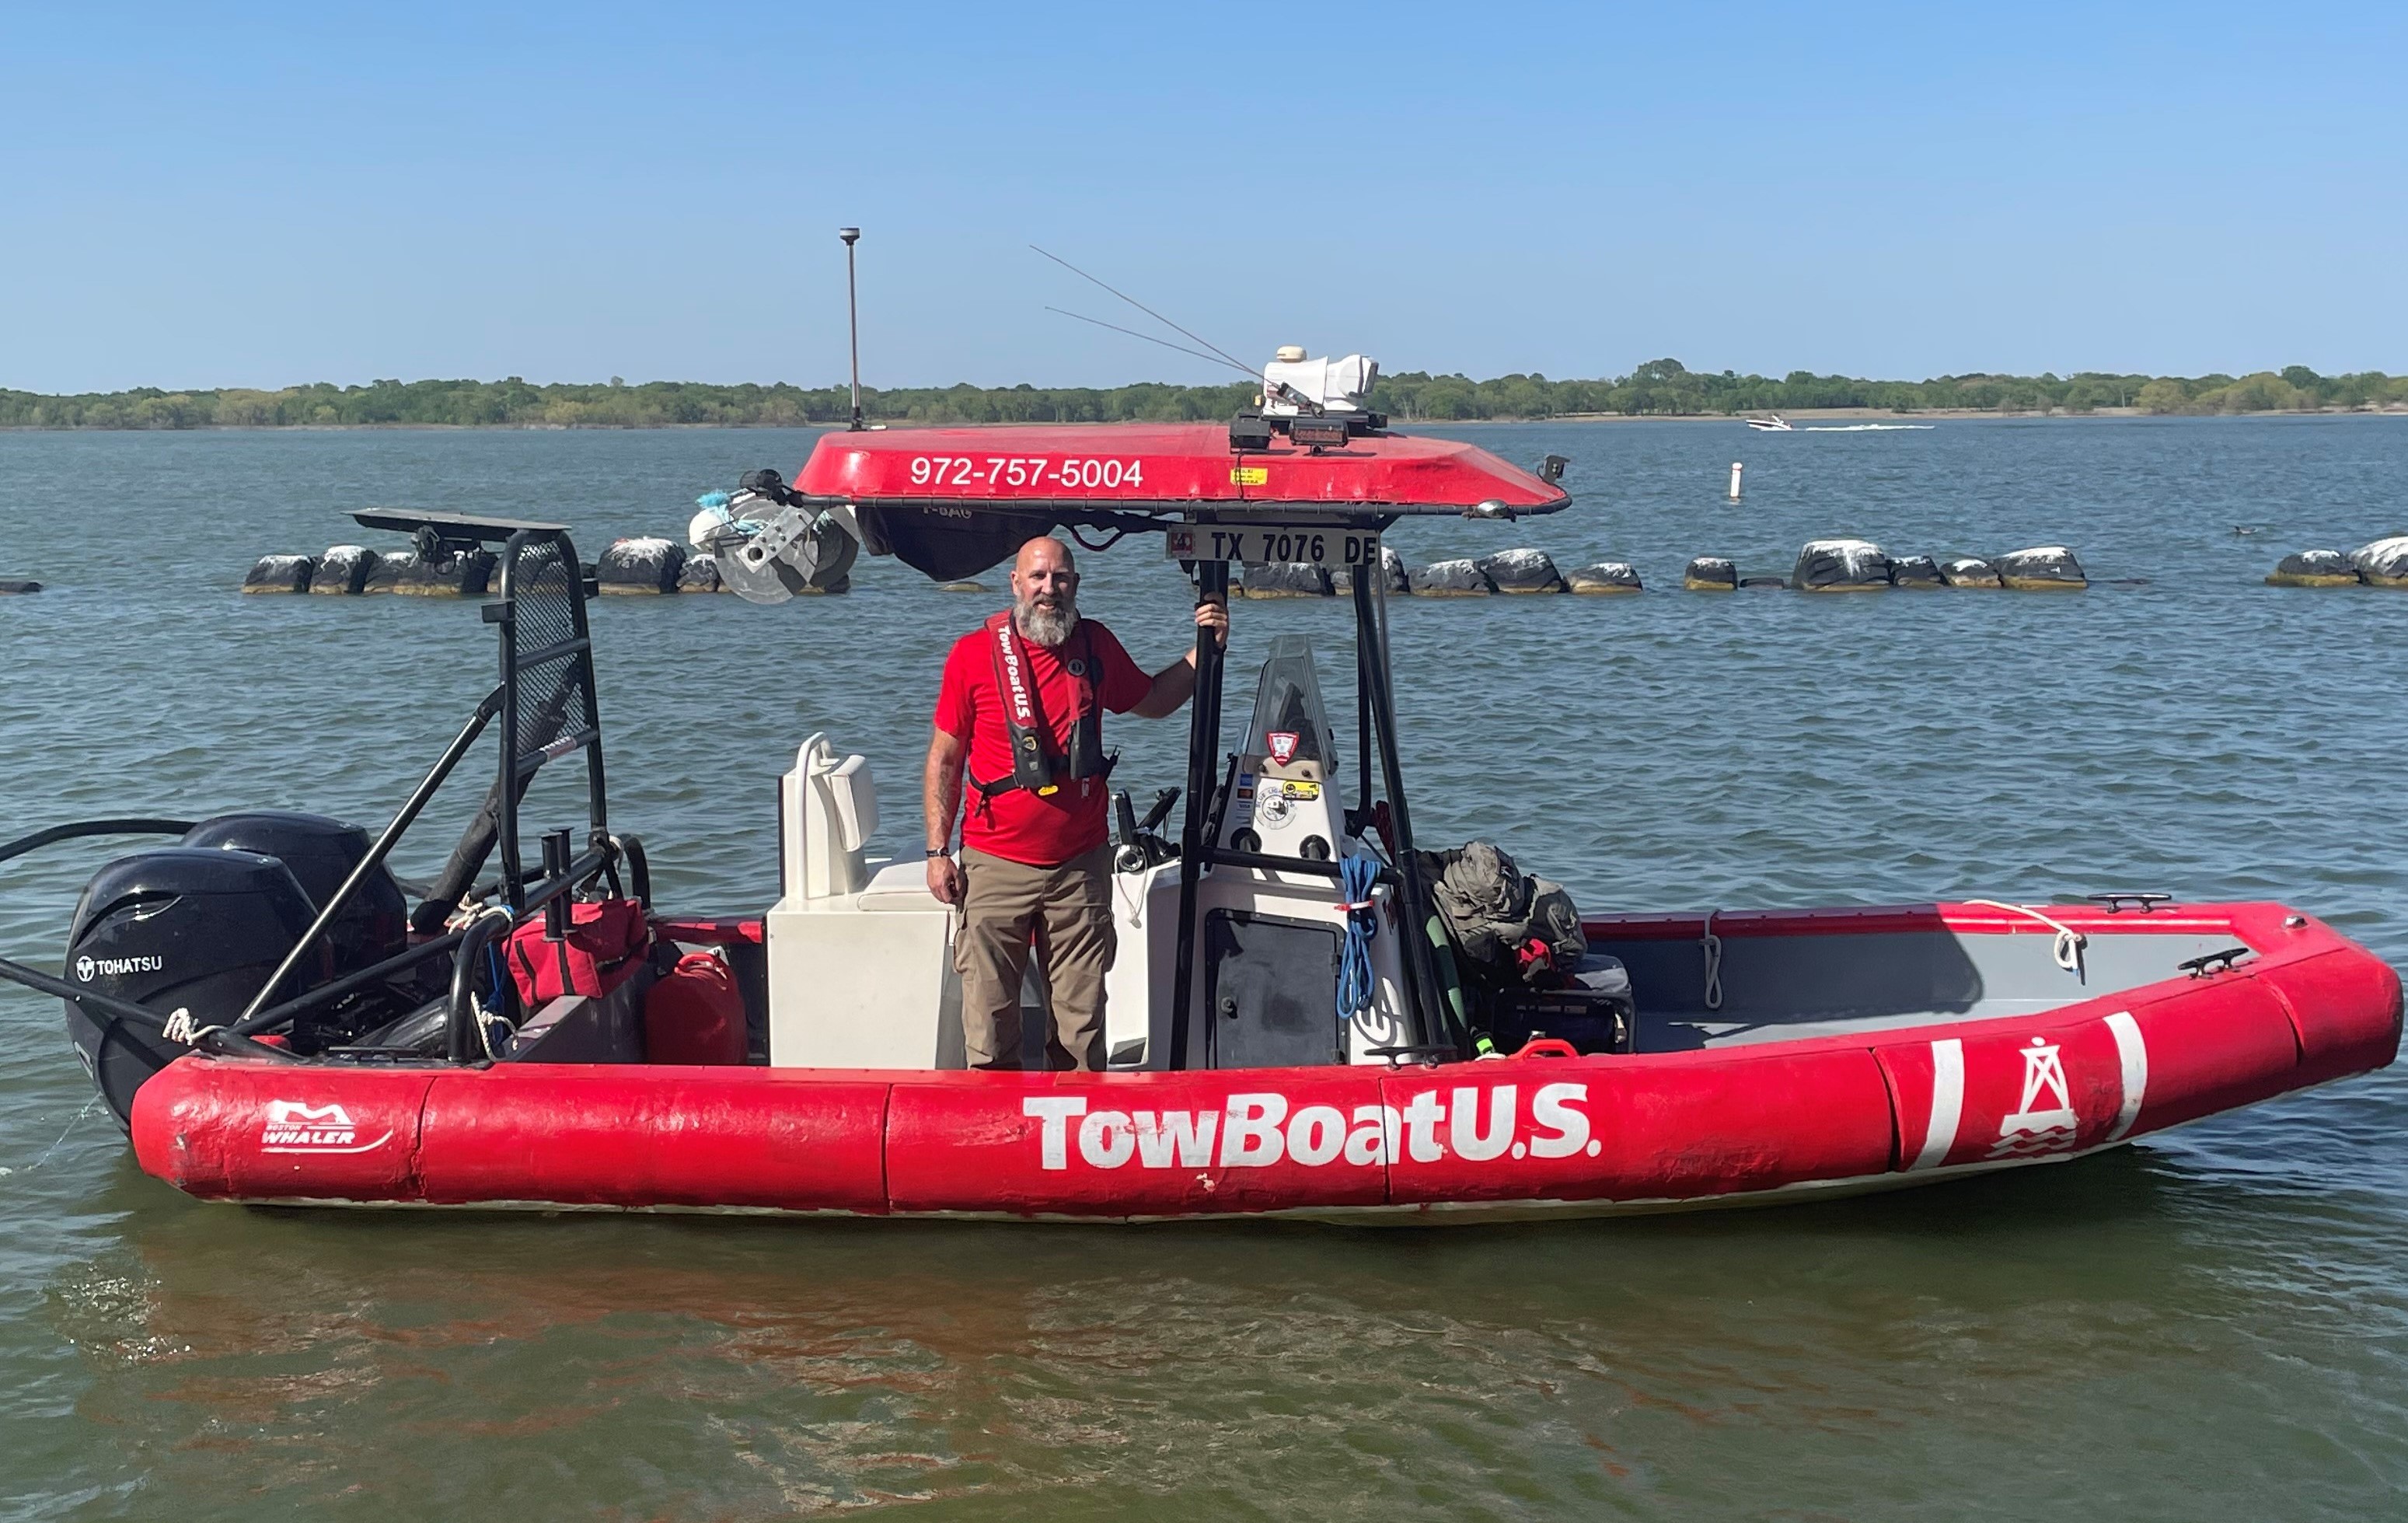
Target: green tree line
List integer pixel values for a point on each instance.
(1659, 388)
(1666, 388)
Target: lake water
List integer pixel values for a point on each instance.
(2209, 1325)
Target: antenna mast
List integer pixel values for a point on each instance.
(852, 318)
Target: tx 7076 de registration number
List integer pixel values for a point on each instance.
(1259, 542)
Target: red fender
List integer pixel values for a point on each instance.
(653, 1136)
(223, 1128)
(1985, 1095)
(2213, 1048)
(2345, 1009)
(1603, 1128)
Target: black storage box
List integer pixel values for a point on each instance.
(1597, 1014)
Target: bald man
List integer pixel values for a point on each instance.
(1020, 714)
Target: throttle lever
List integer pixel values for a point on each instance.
(1161, 810)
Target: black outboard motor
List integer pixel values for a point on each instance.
(374, 924)
(188, 928)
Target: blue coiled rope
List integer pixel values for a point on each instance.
(1355, 877)
(719, 503)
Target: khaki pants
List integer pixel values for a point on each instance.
(1067, 912)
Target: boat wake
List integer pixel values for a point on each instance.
(1863, 428)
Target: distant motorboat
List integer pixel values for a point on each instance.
(1776, 424)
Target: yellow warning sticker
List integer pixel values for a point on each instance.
(1249, 475)
(1300, 790)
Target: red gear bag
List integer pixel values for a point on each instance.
(604, 945)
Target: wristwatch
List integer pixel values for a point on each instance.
(935, 852)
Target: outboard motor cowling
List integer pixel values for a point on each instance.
(374, 924)
(190, 927)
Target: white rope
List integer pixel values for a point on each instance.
(477, 1011)
(468, 912)
(2068, 947)
(484, 1034)
(180, 1028)
(1713, 946)
(88, 1106)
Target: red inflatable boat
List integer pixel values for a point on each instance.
(1293, 1026)
(1879, 1101)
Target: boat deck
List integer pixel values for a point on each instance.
(1793, 988)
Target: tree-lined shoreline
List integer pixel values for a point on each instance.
(1658, 389)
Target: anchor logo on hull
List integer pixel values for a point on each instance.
(2032, 1131)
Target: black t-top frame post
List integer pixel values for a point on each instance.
(1203, 768)
(1426, 1006)
(1373, 668)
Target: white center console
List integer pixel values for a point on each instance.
(860, 961)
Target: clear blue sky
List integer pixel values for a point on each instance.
(249, 194)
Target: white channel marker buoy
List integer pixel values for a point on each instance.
(1734, 491)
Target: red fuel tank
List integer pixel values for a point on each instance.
(694, 1014)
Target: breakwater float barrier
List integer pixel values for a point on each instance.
(646, 565)
(2378, 563)
(652, 566)
(1847, 566)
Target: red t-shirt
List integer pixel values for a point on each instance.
(1019, 826)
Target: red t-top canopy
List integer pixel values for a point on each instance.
(1162, 466)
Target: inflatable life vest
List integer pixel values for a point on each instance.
(1035, 764)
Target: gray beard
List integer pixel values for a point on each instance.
(1048, 627)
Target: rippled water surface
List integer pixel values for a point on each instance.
(2209, 1325)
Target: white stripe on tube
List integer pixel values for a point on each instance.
(1947, 1102)
(2135, 1054)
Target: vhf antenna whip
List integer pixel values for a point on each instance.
(1142, 307)
(852, 318)
(1217, 359)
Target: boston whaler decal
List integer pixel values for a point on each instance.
(298, 1127)
(1256, 1130)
